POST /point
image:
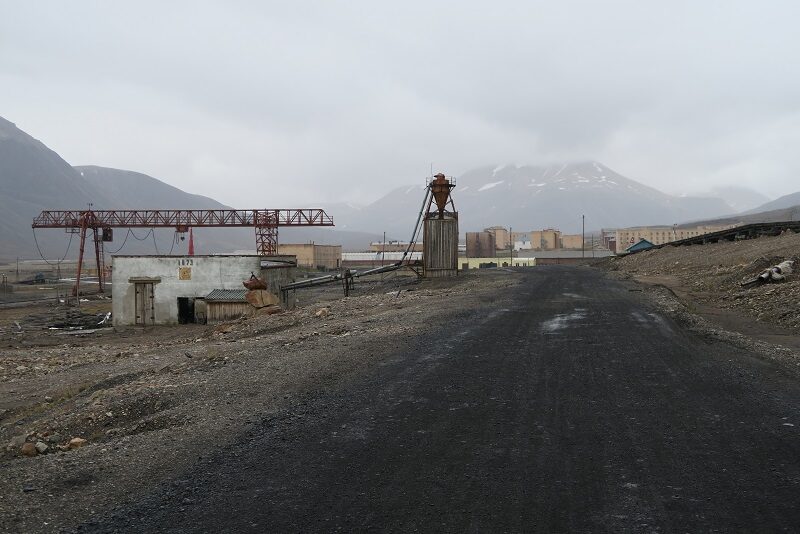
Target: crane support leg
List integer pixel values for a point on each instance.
(80, 260)
(266, 227)
(98, 254)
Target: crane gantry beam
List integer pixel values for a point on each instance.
(180, 218)
(265, 221)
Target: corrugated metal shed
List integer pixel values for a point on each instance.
(227, 295)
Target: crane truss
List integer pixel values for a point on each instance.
(265, 222)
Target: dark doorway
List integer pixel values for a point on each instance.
(185, 310)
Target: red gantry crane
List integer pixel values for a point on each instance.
(101, 222)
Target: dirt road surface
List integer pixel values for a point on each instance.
(567, 403)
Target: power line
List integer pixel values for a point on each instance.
(42, 255)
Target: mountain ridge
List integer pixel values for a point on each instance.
(530, 197)
(526, 197)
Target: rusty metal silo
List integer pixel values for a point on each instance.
(440, 231)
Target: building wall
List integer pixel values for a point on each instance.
(548, 239)
(182, 276)
(480, 244)
(659, 235)
(314, 256)
(376, 259)
(501, 237)
(572, 241)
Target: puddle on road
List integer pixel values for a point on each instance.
(563, 320)
(649, 320)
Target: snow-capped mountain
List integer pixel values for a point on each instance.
(531, 197)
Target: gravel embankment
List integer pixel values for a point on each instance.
(712, 274)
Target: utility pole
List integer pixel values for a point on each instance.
(511, 246)
(583, 236)
(17, 268)
(383, 252)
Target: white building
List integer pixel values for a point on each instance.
(150, 290)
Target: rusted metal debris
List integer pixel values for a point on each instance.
(440, 188)
(776, 273)
(254, 283)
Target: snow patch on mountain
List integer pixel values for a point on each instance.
(489, 185)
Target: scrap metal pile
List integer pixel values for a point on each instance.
(776, 273)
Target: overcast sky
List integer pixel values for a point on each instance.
(286, 103)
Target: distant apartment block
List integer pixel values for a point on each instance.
(502, 239)
(481, 244)
(658, 235)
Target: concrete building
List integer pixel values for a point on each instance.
(480, 244)
(502, 239)
(547, 239)
(658, 235)
(312, 256)
(573, 241)
(157, 290)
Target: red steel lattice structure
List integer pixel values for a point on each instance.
(265, 221)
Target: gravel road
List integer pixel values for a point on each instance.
(567, 403)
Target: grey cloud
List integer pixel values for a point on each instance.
(335, 101)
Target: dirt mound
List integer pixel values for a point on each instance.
(713, 273)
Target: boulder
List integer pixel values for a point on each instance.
(29, 449)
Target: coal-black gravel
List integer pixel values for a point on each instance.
(569, 404)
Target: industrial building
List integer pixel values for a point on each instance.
(160, 290)
(376, 259)
(440, 230)
(313, 256)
